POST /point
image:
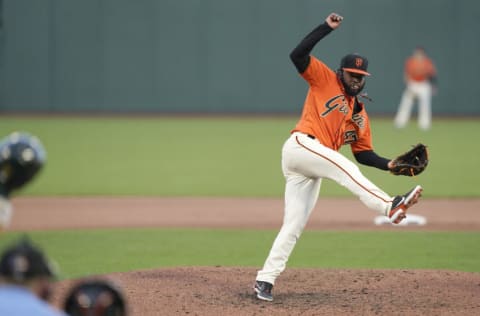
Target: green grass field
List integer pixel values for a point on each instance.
(171, 156)
(85, 252)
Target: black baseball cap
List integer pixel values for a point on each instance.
(24, 261)
(355, 63)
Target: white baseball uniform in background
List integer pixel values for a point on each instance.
(421, 91)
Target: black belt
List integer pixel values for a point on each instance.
(311, 136)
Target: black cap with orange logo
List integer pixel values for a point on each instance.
(355, 63)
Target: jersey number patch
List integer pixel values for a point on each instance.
(350, 137)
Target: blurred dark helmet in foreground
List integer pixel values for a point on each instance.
(23, 262)
(95, 298)
(21, 157)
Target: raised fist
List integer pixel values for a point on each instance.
(334, 20)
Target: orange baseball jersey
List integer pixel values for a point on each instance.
(327, 112)
(419, 69)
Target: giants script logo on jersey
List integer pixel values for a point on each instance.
(336, 102)
(359, 120)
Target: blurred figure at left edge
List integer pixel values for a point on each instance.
(26, 281)
(22, 156)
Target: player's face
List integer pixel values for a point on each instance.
(353, 82)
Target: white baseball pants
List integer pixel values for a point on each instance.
(305, 162)
(415, 90)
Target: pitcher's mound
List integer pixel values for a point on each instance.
(228, 291)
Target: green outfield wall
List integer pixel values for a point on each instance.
(210, 56)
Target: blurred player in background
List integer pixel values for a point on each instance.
(26, 281)
(21, 158)
(420, 78)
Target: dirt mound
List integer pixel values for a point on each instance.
(228, 291)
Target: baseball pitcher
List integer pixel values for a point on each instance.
(332, 116)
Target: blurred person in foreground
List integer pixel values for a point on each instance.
(95, 297)
(22, 156)
(420, 76)
(26, 281)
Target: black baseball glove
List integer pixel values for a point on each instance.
(412, 162)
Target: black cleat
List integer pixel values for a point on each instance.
(263, 290)
(401, 203)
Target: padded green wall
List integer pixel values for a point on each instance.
(207, 56)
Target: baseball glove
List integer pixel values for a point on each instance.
(412, 162)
